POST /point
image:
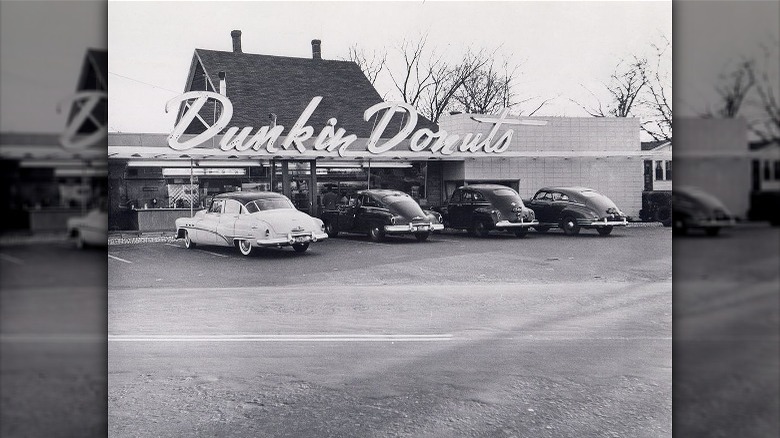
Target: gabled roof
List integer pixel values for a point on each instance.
(763, 144)
(258, 85)
(94, 71)
(93, 77)
(650, 145)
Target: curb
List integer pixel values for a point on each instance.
(130, 238)
(29, 239)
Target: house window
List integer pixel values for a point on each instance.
(777, 170)
(767, 171)
(668, 170)
(659, 171)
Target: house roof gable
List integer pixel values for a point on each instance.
(258, 85)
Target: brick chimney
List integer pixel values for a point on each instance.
(316, 53)
(236, 35)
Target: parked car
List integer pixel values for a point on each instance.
(481, 208)
(379, 213)
(90, 229)
(574, 208)
(695, 208)
(249, 220)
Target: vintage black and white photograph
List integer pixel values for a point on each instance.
(392, 219)
(53, 221)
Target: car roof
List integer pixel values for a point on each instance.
(568, 190)
(249, 196)
(382, 192)
(485, 187)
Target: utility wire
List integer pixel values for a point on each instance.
(145, 83)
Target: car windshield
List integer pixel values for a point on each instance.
(268, 204)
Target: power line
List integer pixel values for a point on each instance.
(145, 83)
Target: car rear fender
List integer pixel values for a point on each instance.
(578, 212)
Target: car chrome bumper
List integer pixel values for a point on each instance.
(413, 228)
(507, 224)
(607, 223)
(291, 239)
(708, 223)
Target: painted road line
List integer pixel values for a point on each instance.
(119, 259)
(22, 338)
(214, 253)
(11, 259)
(281, 338)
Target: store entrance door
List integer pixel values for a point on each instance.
(298, 181)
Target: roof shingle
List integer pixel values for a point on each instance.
(258, 85)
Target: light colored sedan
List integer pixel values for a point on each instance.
(90, 229)
(249, 220)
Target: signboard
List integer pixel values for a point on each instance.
(336, 140)
(182, 171)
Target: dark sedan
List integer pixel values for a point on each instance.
(480, 208)
(695, 208)
(379, 213)
(574, 208)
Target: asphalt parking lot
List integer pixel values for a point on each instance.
(546, 335)
(633, 254)
(460, 336)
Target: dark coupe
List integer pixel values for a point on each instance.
(695, 208)
(480, 208)
(574, 208)
(379, 213)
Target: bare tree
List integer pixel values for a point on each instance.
(417, 73)
(767, 125)
(625, 85)
(658, 124)
(733, 88)
(447, 80)
(490, 90)
(371, 63)
(487, 90)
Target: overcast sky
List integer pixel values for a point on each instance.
(561, 45)
(42, 46)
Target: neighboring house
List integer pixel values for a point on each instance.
(658, 170)
(765, 166)
(656, 197)
(765, 181)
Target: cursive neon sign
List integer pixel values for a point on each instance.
(330, 138)
(85, 103)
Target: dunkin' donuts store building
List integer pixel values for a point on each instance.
(308, 126)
